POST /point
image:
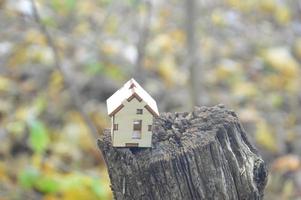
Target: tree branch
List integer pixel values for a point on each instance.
(58, 63)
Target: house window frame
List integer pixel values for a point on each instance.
(149, 127)
(139, 111)
(115, 127)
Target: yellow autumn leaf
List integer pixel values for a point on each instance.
(283, 15)
(78, 130)
(109, 48)
(268, 6)
(163, 42)
(56, 83)
(217, 17)
(234, 3)
(293, 85)
(100, 120)
(265, 137)
(34, 36)
(82, 28)
(178, 36)
(168, 71)
(16, 127)
(77, 186)
(273, 81)
(5, 84)
(51, 197)
(36, 160)
(227, 69)
(246, 5)
(244, 89)
(85, 7)
(3, 173)
(111, 25)
(38, 53)
(286, 163)
(22, 113)
(164, 15)
(288, 189)
(19, 57)
(79, 193)
(281, 60)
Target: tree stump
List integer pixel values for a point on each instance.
(204, 154)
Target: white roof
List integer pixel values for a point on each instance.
(129, 89)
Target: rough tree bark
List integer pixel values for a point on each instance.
(200, 155)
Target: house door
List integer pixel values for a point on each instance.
(137, 128)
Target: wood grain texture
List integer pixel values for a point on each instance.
(204, 154)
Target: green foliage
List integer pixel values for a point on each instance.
(52, 183)
(115, 73)
(97, 188)
(29, 177)
(93, 68)
(49, 22)
(134, 3)
(38, 138)
(47, 184)
(63, 5)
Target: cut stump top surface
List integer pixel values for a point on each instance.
(183, 131)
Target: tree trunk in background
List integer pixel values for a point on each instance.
(200, 155)
(195, 74)
(142, 42)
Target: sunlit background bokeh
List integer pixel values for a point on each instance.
(245, 54)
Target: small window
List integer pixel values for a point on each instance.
(149, 127)
(115, 127)
(139, 112)
(137, 125)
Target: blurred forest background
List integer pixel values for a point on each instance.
(61, 59)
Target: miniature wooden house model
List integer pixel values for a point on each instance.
(131, 110)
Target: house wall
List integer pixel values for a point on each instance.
(125, 117)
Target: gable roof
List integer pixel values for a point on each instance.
(129, 90)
